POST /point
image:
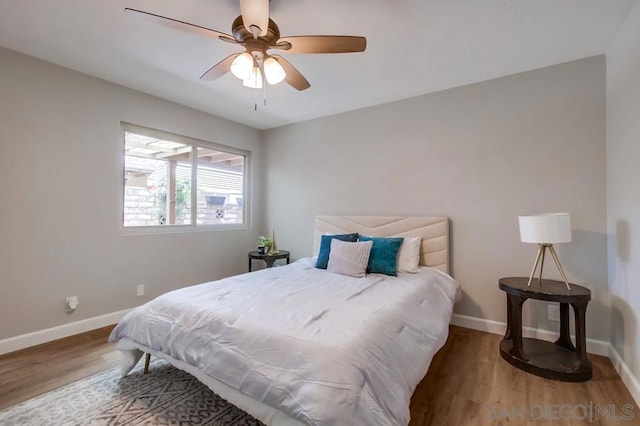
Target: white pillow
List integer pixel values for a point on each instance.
(409, 255)
(349, 258)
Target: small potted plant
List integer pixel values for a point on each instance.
(263, 244)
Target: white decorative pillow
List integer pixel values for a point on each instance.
(348, 258)
(409, 255)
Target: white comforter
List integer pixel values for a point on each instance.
(324, 348)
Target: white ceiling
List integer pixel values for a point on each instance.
(413, 47)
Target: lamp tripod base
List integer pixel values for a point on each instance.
(542, 249)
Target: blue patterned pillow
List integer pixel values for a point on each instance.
(325, 247)
(384, 255)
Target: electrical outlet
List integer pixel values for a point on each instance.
(71, 304)
(140, 290)
(553, 312)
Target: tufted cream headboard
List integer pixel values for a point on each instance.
(433, 230)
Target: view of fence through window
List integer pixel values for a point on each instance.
(161, 189)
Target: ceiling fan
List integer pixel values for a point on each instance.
(258, 34)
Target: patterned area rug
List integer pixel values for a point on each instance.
(165, 396)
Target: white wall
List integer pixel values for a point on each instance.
(623, 188)
(60, 136)
(482, 155)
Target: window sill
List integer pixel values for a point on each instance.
(180, 229)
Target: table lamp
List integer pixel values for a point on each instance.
(546, 230)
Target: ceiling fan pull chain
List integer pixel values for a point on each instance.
(263, 77)
(255, 99)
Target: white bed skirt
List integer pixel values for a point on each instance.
(132, 352)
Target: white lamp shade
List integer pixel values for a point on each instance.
(273, 71)
(255, 81)
(549, 228)
(242, 66)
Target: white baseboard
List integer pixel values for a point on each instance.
(627, 376)
(597, 347)
(16, 343)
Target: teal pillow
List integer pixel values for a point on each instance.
(325, 247)
(383, 258)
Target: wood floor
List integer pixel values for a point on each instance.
(468, 383)
(30, 372)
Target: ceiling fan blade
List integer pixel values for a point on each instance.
(255, 13)
(219, 69)
(180, 25)
(324, 44)
(294, 78)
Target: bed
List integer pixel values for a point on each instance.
(298, 345)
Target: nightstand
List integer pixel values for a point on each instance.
(269, 259)
(559, 360)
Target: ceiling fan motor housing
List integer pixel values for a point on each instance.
(242, 35)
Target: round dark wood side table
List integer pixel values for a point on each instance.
(269, 259)
(559, 360)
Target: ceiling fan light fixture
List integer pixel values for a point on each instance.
(255, 80)
(255, 13)
(242, 66)
(273, 71)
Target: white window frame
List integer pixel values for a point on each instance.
(195, 144)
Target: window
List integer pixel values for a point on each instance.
(179, 181)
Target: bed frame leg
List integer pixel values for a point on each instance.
(147, 360)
